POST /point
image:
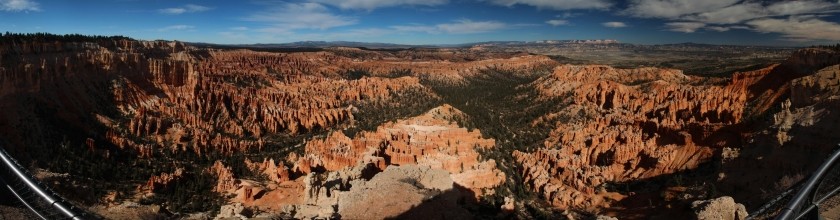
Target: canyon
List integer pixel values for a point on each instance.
(169, 129)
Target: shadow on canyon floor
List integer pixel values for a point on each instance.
(456, 203)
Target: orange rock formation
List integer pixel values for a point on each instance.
(635, 124)
(162, 182)
(169, 97)
(430, 139)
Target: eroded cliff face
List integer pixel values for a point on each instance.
(627, 125)
(634, 125)
(49, 87)
(291, 119)
(165, 104)
(151, 97)
(789, 142)
(431, 139)
(162, 182)
(236, 106)
(342, 175)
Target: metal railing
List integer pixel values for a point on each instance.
(36, 197)
(800, 206)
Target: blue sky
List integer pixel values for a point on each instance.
(753, 22)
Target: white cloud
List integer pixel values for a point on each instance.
(557, 22)
(730, 15)
(751, 10)
(558, 4)
(240, 28)
(374, 4)
(189, 8)
(673, 8)
(568, 15)
(725, 12)
(802, 7)
(463, 26)
(798, 28)
(802, 21)
(196, 8)
(290, 16)
(685, 27)
(19, 5)
(469, 27)
(180, 27)
(718, 28)
(614, 24)
(173, 11)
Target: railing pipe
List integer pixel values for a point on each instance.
(16, 170)
(790, 211)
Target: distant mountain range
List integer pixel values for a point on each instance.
(316, 44)
(546, 42)
(602, 43)
(373, 45)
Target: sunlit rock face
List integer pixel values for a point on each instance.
(630, 124)
(151, 95)
(420, 158)
(431, 139)
(196, 109)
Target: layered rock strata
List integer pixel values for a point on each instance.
(152, 97)
(431, 139)
(626, 125)
(424, 157)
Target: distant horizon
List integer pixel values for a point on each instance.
(442, 45)
(436, 22)
(529, 41)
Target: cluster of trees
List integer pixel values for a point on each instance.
(499, 104)
(403, 104)
(123, 171)
(355, 74)
(191, 193)
(835, 47)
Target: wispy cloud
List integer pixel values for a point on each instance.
(568, 15)
(374, 4)
(719, 28)
(240, 28)
(673, 8)
(685, 27)
(285, 17)
(798, 28)
(557, 4)
(180, 27)
(557, 22)
(463, 26)
(751, 10)
(189, 8)
(725, 11)
(19, 5)
(614, 24)
(689, 16)
(469, 27)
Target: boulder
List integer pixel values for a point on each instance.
(723, 208)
